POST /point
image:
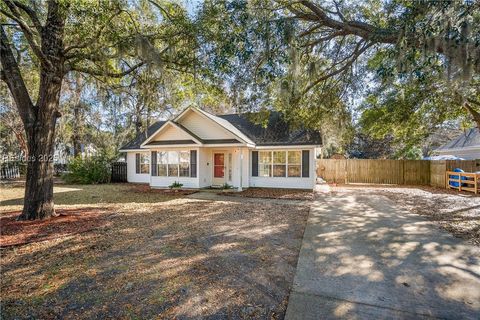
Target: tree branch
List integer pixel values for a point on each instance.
(91, 40)
(339, 70)
(12, 76)
(475, 114)
(32, 14)
(27, 31)
(309, 11)
(100, 73)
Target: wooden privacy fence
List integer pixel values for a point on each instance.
(438, 169)
(119, 172)
(409, 172)
(462, 181)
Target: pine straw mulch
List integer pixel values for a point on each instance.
(456, 212)
(143, 188)
(68, 222)
(273, 193)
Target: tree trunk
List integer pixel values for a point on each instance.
(138, 118)
(39, 120)
(78, 124)
(77, 148)
(38, 203)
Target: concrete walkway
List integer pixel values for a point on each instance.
(364, 258)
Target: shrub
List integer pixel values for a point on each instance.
(89, 170)
(227, 186)
(175, 185)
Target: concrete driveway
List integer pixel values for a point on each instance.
(364, 258)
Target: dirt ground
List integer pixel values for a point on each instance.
(159, 257)
(274, 193)
(456, 212)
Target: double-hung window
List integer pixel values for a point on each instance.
(173, 163)
(280, 163)
(265, 164)
(144, 163)
(294, 163)
(184, 167)
(162, 163)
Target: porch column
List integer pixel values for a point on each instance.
(241, 169)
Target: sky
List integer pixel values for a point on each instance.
(192, 5)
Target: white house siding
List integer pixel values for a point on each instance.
(132, 176)
(205, 167)
(281, 182)
(204, 128)
(164, 182)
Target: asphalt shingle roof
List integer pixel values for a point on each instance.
(276, 133)
(470, 138)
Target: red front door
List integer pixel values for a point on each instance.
(218, 165)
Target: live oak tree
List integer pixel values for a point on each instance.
(105, 39)
(418, 37)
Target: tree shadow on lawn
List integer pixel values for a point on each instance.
(369, 252)
(69, 222)
(94, 194)
(212, 259)
(191, 259)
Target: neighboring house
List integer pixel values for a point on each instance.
(466, 146)
(199, 149)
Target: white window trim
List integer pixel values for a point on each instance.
(145, 155)
(178, 165)
(286, 163)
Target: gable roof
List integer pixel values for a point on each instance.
(140, 138)
(276, 133)
(227, 125)
(172, 123)
(470, 138)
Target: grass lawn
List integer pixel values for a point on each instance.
(154, 256)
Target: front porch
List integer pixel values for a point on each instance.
(211, 167)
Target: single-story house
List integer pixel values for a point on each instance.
(465, 146)
(199, 149)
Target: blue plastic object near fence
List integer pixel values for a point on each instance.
(455, 183)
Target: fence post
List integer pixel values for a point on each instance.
(346, 171)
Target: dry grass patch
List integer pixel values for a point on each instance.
(159, 257)
(274, 193)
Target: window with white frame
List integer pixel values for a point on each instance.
(144, 163)
(184, 167)
(294, 163)
(173, 163)
(265, 164)
(280, 163)
(162, 163)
